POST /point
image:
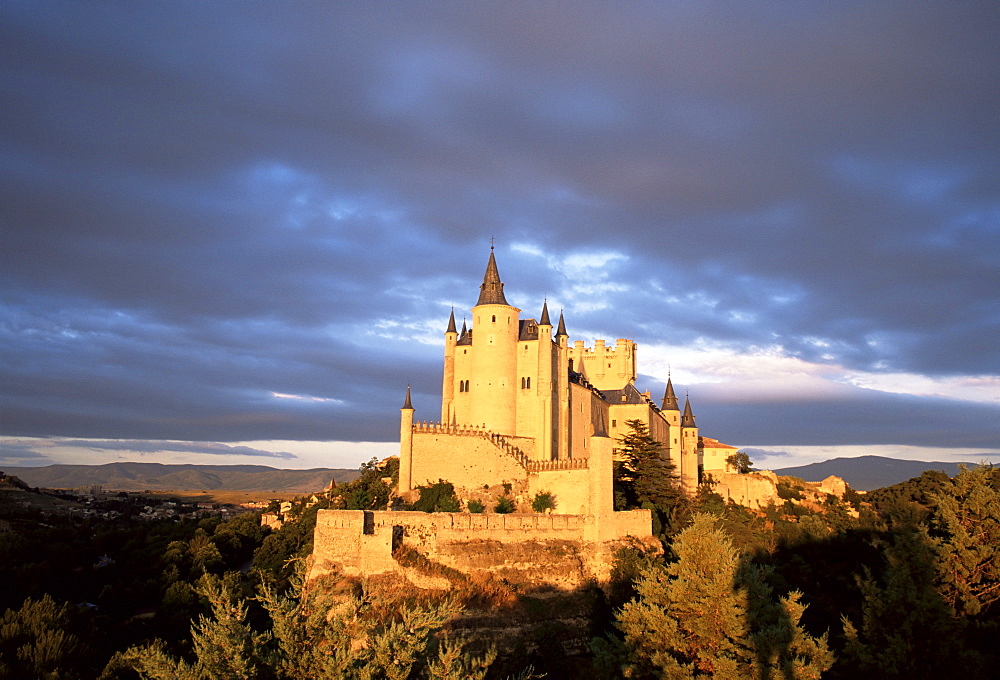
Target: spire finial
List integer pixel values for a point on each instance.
(492, 242)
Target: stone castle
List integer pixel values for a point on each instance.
(524, 408)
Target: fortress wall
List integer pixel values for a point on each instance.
(754, 490)
(464, 460)
(571, 488)
(534, 549)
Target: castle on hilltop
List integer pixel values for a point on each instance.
(525, 412)
(520, 403)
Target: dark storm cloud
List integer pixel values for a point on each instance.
(207, 205)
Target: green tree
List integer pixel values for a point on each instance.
(369, 491)
(704, 616)
(965, 528)
(740, 461)
(328, 635)
(504, 506)
(643, 475)
(906, 629)
(543, 501)
(438, 497)
(35, 641)
(476, 506)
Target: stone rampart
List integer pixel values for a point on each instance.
(753, 490)
(361, 543)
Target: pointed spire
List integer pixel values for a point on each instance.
(451, 322)
(465, 328)
(669, 398)
(562, 326)
(491, 292)
(406, 404)
(687, 420)
(545, 315)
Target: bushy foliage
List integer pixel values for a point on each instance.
(476, 506)
(369, 491)
(740, 462)
(543, 502)
(324, 636)
(438, 497)
(504, 505)
(705, 615)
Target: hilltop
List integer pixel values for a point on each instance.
(866, 473)
(160, 477)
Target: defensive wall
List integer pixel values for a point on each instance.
(537, 549)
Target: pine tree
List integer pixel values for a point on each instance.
(965, 527)
(906, 629)
(704, 617)
(644, 475)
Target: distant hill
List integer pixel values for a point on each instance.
(865, 473)
(159, 477)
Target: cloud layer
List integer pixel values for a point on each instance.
(236, 222)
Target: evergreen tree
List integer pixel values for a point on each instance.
(644, 475)
(906, 628)
(704, 617)
(965, 526)
(36, 642)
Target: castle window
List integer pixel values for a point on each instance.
(614, 423)
(494, 318)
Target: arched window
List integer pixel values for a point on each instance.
(527, 382)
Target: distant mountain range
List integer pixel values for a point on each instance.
(159, 477)
(865, 473)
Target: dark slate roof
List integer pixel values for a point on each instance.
(527, 329)
(562, 326)
(545, 315)
(669, 398)
(627, 395)
(491, 292)
(687, 420)
(465, 337)
(407, 404)
(451, 322)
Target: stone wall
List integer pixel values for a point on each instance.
(537, 549)
(753, 490)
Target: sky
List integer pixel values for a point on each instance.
(232, 232)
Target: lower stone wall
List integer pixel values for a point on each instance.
(539, 550)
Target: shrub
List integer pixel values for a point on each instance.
(543, 501)
(476, 507)
(504, 506)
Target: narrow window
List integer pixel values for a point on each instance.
(494, 318)
(614, 423)
(527, 382)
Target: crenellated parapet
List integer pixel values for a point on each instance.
(552, 465)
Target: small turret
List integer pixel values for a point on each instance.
(687, 420)
(545, 315)
(562, 326)
(669, 398)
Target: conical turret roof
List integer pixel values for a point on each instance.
(491, 292)
(562, 326)
(451, 322)
(669, 398)
(687, 420)
(407, 404)
(545, 315)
